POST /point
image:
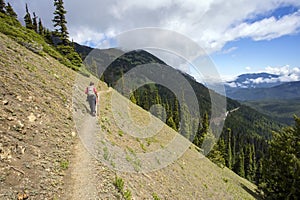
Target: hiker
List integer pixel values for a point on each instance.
(92, 97)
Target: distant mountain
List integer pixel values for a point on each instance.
(289, 90)
(281, 110)
(256, 80)
(263, 93)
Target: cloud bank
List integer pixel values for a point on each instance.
(276, 76)
(286, 73)
(210, 23)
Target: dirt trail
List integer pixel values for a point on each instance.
(88, 178)
(83, 174)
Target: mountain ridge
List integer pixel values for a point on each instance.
(254, 80)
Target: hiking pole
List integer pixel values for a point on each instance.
(97, 103)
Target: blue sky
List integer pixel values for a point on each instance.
(239, 36)
(248, 56)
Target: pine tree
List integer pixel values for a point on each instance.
(240, 165)
(281, 169)
(34, 23)
(48, 36)
(185, 128)
(171, 123)
(60, 22)
(202, 131)
(176, 114)
(132, 98)
(2, 6)
(229, 151)
(10, 11)
(216, 156)
(259, 172)
(41, 27)
(27, 19)
(249, 172)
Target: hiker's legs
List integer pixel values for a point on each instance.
(92, 102)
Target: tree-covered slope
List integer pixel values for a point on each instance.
(250, 129)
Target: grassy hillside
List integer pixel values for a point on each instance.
(192, 176)
(36, 122)
(37, 139)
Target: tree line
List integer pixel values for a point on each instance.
(58, 38)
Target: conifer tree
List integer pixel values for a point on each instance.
(228, 150)
(2, 6)
(248, 163)
(27, 19)
(48, 35)
(204, 129)
(176, 114)
(34, 23)
(10, 11)
(281, 169)
(239, 167)
(215, 155)
(60, 22)
(185, 128)
(132, 98)
(41, 27)
(222, 148)
(259, 172)
(171, 123)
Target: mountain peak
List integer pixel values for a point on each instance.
(255, 80)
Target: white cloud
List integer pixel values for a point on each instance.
(85, 35)
(230, 50)
(248, 68)
(286, 73)
(210, 23)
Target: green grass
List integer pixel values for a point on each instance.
(105, 153)
(64, 164)
(120, 185)
(155, 196)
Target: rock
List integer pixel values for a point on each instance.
(22, 196)
(73, 133)
(10, 118)
(19, 126)
(31, 117)
(19, 98)
(5, 102)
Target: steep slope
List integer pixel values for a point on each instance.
(41, 157)
(192, 176)
(36, 122)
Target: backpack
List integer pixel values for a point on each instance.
(90, 91)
